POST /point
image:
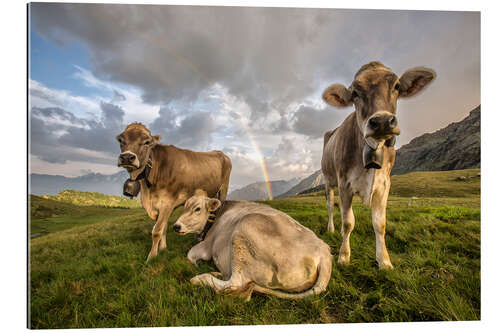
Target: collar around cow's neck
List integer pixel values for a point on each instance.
(212, 216)
(147, 169)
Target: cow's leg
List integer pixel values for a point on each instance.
(330, 204)
(235, 286)
(379, 205)
(347, 225)
(223, 190)
(163, 241)
(159, 229)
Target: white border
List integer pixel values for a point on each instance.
(13, 193)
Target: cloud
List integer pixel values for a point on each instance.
(42, 96)
(314, 123)
(206, 77)
(191, 131)
(58, 136)
(118, 97)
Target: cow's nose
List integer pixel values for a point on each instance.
(127, 158)
(177, 228)
(374, 123)
(393, 122)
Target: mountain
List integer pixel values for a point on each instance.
(455, 147)
(258, 190)
(313, 180)
(93, 182)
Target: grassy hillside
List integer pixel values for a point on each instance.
(93, 199)
(49, 215)
(94, 275)
(456, 183)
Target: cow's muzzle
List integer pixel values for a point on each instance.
(382, 125)
(128, 160)
(178, 229)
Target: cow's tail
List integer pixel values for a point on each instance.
(324, 272)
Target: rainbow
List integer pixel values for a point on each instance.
(262, 163)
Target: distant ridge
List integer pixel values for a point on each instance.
(93, 182)
(258, 190)
(313, 180)
(455, 147)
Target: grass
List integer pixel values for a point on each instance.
(93, 273)
(93, 199)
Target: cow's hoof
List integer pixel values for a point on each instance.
(200, 280)
(385, 265)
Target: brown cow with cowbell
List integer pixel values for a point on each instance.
(166, 176)
(358, 156)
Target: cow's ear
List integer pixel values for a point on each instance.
(414, 80)
(213, 204)
(156, 139)
(337, 95)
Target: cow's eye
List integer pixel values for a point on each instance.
(397, 86)
(147, 143)
(197, 209)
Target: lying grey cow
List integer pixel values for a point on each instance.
(358, 156)
(256, 248)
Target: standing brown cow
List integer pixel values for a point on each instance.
(169, 175)
(358, 156)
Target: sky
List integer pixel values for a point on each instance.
(244, 80)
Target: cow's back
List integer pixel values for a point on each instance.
(180, 170)
(271, 234)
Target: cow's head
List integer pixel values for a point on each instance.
(197, 210)
(136, 142)
(374, 93)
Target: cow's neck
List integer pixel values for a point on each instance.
(355, 137)
(145, 172)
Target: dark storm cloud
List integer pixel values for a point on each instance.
(112, 115)
(56, 134)
(193, 131)
(314, 123)
(273, 56)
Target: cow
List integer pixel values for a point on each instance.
(168, 175)
(358, 156)
(256, 248)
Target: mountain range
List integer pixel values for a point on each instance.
(457, 146)
(258, 190)
(93, 182)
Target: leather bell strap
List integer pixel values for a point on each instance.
(211, 216)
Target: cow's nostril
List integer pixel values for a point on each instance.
(374, 123)
(132, 158)
(393, 122)
(177, 227)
